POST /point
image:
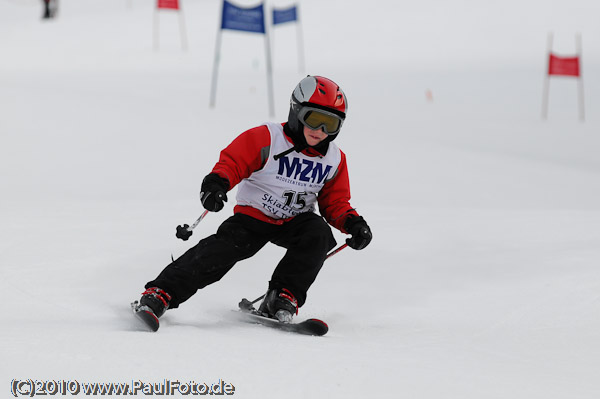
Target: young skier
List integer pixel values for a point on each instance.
(282, 172)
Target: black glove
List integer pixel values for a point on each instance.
(360, 231)
(213, 194)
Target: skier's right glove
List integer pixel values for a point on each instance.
(360, 231)
(213, 192)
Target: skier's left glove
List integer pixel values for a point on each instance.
(213, 192)
(360, 231)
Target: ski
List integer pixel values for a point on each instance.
(248, 313)
(145, 315)
(306, 327)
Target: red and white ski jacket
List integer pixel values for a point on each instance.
(275, 191)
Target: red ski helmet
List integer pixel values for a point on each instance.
(318, 103)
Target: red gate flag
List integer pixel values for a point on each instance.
(170, 4)
(565, 66)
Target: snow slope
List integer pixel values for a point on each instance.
(482, 280)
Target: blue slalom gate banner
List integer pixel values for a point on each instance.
(283, 16)
(247, 20)
(291, 14)
(244, 19)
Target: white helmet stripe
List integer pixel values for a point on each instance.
(305, 89)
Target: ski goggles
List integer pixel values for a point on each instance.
(316, 118)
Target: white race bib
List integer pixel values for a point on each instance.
(288, 186)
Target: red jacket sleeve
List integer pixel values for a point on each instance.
(245, 155)
(334, 198)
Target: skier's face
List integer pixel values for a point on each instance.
(314, 137)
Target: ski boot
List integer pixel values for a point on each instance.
(151, 306)
(279, 304)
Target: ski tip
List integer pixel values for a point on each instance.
(319, 327)
(148, 319)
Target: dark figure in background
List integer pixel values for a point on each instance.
(50, 7)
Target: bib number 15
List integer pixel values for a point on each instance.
(295, 199)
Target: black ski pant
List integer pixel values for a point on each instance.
(307, 238)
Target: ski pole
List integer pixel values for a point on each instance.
(335, 251)
(245, 304)
(184, 232)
